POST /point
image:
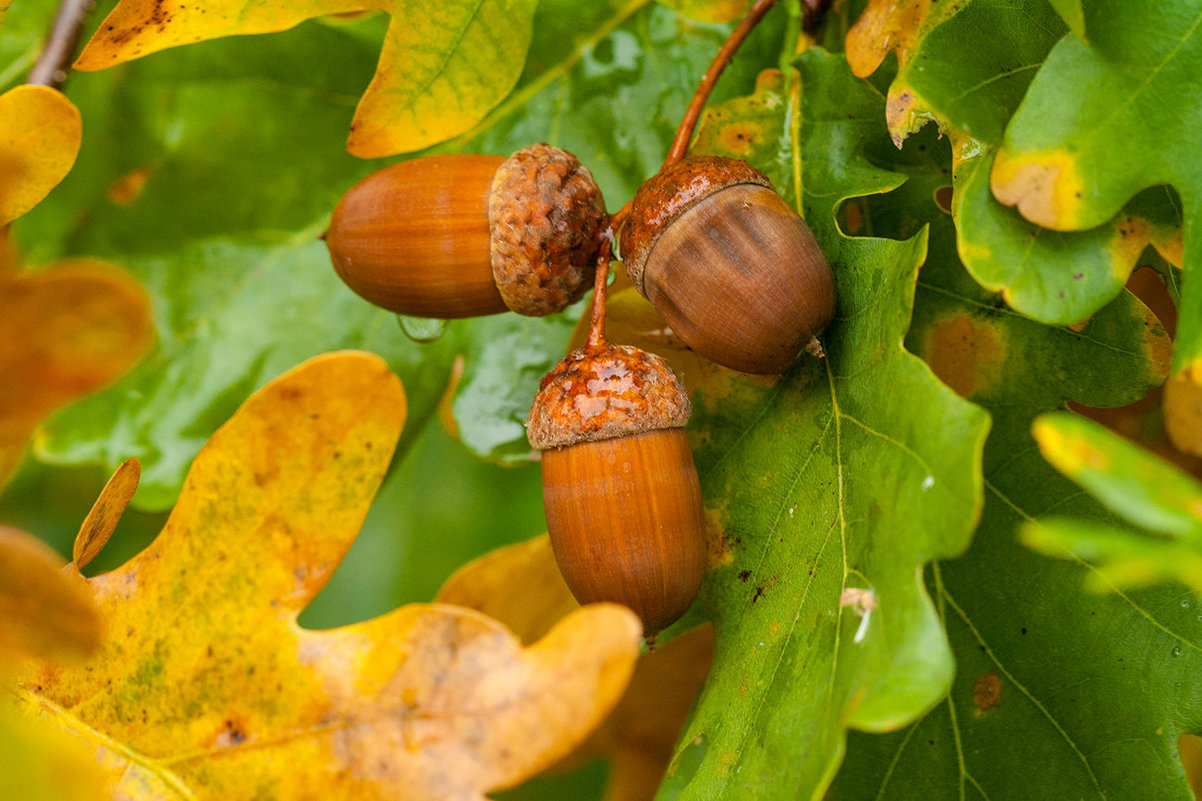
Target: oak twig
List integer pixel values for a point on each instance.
(54, 64)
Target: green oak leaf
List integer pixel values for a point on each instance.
(970, 72)
(1073, 15)
(1136, 124)
(1059, 692)
(845, 474)
(209, 172)
(1144, 491)
(503, 365)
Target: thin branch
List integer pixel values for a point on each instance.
(54, 64)
(693, 113)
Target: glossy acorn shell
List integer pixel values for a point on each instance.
(728, 264)
(620, 489)
(626, 522)
(414, 237)
(468, 235)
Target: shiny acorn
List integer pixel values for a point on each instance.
(620, 489)
(728, 264)
(467, 235)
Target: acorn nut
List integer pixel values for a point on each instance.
(728, 264)
(466, 235)
(621, 493)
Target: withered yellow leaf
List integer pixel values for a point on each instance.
(638, 736)
(206, 687)
(883, 26)
(40, 132)
(44, 611)
(442, 67)
(519, 585)
(98, 526)
(65, 330)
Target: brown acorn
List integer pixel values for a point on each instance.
(620, 489)
(466, 235)
(728, 264)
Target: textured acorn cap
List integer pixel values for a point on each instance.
(606, 392)
(670, 193)
(546, 217)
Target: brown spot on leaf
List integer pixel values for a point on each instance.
(943, 198)
(965, 353)
(739, 138)
(853, 217)
(987, 690)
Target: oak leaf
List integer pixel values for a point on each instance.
(1032, 648)
(442, 67)
(885, 26)
(1144, 492)
(67, 330)
(205, 686)
(968, 69)
(1075, 166)
(40, 133)
(45, 613)
(638, 736)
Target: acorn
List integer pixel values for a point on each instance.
(620, 489)
(465, 235)
(728, 264)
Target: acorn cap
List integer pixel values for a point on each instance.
(606, 392)
(669, 194)
(546, 217)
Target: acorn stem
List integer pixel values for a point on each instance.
(596, 331)
(708, 81)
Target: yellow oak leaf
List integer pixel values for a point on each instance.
(65, 330)
(102, 519)
(891, 25)
(638, 736)
(205, 686)
(40, 132)
(443, 65)
(44, 611)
